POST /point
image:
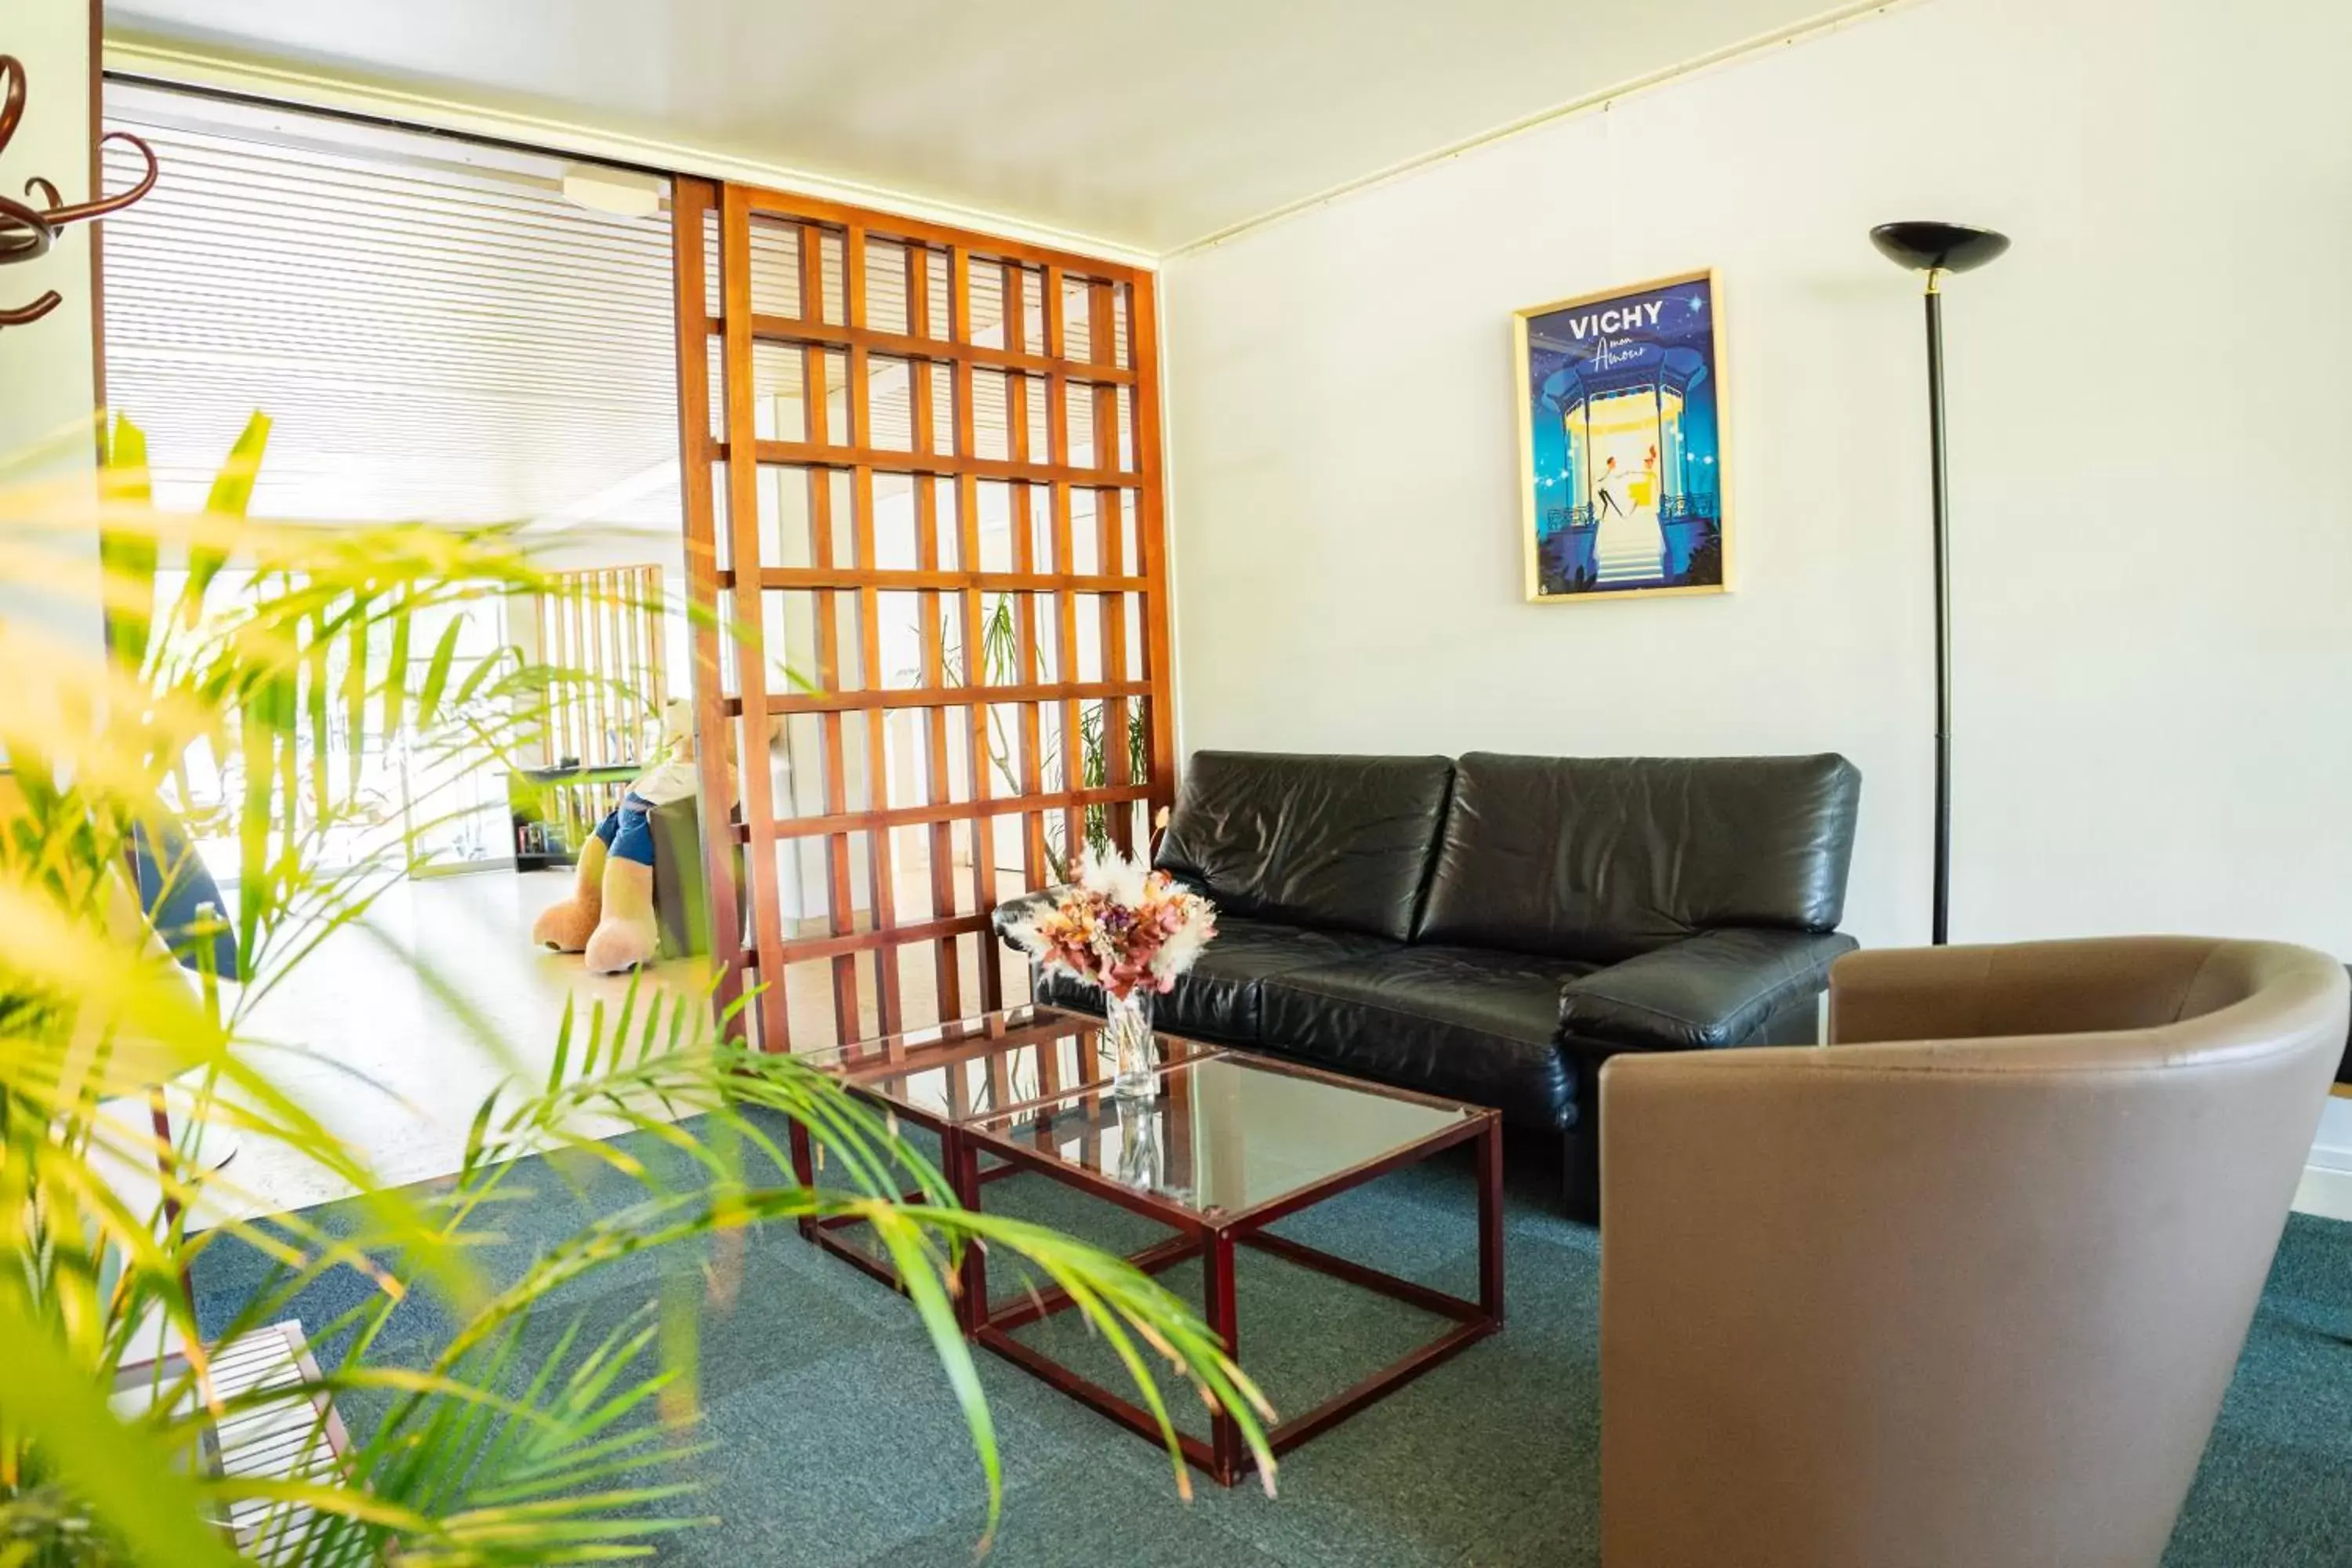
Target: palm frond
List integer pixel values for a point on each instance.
(501, 1442)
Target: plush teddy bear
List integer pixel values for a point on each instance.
(625, 934)
(567, 926)
(609, 919)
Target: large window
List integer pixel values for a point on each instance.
(439, 333)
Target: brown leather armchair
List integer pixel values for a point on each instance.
(1966, 1294)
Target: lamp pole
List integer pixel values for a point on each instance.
(1937, 249)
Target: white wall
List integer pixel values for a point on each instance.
(2153, 556)
(47, 370)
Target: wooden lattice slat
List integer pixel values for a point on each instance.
(893, 667)
(1029, 668)
(882, 895)
(693, 206)
(1110, 520)
(966, 436)
(1152, 548)
(946, 969)
(746, 619)
(602, 627)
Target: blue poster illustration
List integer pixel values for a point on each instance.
(1622, 449)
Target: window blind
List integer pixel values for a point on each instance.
(437, 333)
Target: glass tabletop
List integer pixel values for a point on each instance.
(980, 1068)
(1228, 1132)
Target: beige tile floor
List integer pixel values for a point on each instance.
(403, 1030)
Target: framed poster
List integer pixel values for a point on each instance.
(1621, 444)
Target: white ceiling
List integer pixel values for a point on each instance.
(1148, 124)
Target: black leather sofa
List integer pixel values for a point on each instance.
(1494, 928)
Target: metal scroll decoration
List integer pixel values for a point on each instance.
(25, 231)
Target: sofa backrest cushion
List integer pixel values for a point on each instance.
(1343, 843)
(1602, 857)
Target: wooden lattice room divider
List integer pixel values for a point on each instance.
(922, 490)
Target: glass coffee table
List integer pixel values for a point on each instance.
(942, 1078)
(1232, 1142)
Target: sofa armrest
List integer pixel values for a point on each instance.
(1708, 990)
(1019, 909)
(1001, 920)
(2081, 986)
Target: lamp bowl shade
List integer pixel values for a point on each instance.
(1944, 246)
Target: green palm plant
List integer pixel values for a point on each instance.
(497, 1445)
(1000, 661)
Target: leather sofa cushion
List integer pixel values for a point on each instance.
(1217, 999)
(1460, 1022)
(1601, 858)
(1339, 843)
(1716, 989)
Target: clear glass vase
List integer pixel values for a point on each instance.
(1127, 1040)
(1140, 1163)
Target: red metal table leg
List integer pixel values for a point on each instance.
(963, 1162)
(1490, 1221)
(803, 1171)
(1224, 1321)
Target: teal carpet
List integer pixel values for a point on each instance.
(837, 1444)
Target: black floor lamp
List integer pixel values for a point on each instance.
(1937, 249)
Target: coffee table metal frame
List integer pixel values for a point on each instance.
(1211, 1235)
(975, 1041)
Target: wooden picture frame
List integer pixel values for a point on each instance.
(1623, 456)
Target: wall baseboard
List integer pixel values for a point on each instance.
(2336, 1157)
(2326, 1191)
